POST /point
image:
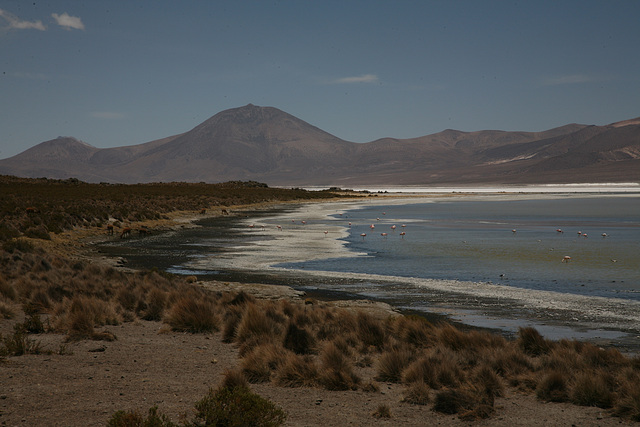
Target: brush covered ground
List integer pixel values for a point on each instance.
(86, 343)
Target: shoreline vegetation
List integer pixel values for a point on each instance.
(85, 342)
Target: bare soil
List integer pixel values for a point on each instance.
(84, 383)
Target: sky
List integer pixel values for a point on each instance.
(115, 73)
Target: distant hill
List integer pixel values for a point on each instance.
(268, 145)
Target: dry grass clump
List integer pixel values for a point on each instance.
(297, 371)
(383, 411)
(593, 389)
(192, 314)
(531, 342)
(6, 310)
(336, 369)
(392, 363)
(554, 387)
(417, 393)
(259, 364)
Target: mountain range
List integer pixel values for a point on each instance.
(268, 145)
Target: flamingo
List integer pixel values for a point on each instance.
(393, 227)
(252, 226)
(604, 235)
(303, 222)
(326, 232)
(349, 224)
(559, 230)
(566, 259)
(403, 225)
(363, 235)
(513, 231)
(584, 235)
(279, 227)
(383, 235)
(372, 226)
(402, 234)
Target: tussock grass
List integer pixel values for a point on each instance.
(553, 387)
(369, 330)
(190, 314)
(6, 310)
(417, 393)
(531, 342)
(258, 365)
(256, 323)
(383, 411)
(297, 371)
(336, 369)
(392, 363)
(592, 390)
(298, 340)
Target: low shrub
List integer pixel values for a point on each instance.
(383, 411)
(236, 407)
(135, 419)
(19, 343)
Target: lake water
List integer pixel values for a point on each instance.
(474, 241)
(459, 256)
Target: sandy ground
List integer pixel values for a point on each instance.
(149, 365)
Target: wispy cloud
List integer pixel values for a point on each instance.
(15, 23)
(107, 115)
(68, 22)
(567, 80)
(365, 78)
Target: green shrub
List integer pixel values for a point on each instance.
(20, 245)
(237, 407)
(135, 419)
(19, 343)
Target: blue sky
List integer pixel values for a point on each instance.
(115, 73)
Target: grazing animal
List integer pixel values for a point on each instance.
(224, 212)
(126, 232)
(110, 229)
(142, 231)
(203, 211)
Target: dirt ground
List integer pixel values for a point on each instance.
(84, 383)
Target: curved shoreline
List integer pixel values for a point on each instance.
(605, 320)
